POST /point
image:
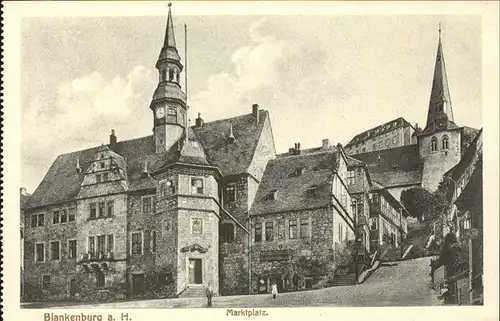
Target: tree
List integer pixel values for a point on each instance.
(421, 203)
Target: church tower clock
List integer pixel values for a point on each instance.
(169, 101)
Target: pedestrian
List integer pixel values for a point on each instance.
(210, 293)
(295, 280)
(274, 289)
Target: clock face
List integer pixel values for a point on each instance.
(160, 112)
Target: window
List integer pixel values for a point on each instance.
(164, 75)
(92, 246)
(111, 208)
(230, 193)
(304, 228)
(272, 195)
(100, 280)
(373, 223)
(55, 217)
(227, 232)
(445, 142)
(170, 74)
(72, 249)
(55, 250)
(101, 209)
(92, 210)
(102, 164)
(148, 204)
(258, 232)
(137, 243)
(72, 214)
(171, 115)
(105, 177)
(341, 232)
(37, 220)
(153, 241)
(111, 243)
(269, 231)
(292, 229)
(45, 282)
(312, 191)
(374, 147)
(298, 172)
(196, 185)
(40, 252)
(196, 226)
(434, 143)
(98, 178)
(64, 216)
(101, 243)
(351, 177)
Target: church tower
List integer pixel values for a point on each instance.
(169, 101)
(440, 142)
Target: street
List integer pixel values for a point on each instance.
(405, 283)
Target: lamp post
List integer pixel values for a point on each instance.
(354, 214)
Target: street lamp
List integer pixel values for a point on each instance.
(355, 216)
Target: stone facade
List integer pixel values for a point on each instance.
(438, 160)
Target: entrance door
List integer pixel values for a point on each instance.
(137, 283)
(195, 273)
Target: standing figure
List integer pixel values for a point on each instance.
(295, 281)
(274, 289)
(209, 293)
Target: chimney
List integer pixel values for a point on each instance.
(256, 112)
(145, 171)
(339, 146)
(325, 143)
(291, 151)
(231, 135)
(199, 121)
(23, 191)
(112, 141)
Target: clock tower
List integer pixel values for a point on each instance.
(439, 144)
(169, 101)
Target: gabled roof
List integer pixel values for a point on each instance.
(231, 157)
(294, 191)
(378, 189)
(394, 167)
(379, 130)
(207, 145)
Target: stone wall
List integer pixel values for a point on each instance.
(56, 269)
(317, 246)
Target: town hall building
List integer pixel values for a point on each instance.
(212, 203)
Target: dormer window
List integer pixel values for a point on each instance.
(298, 172)
(312, 191)
(272, 195)
(230, 193)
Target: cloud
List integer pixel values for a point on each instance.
(82, 114)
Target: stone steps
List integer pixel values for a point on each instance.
(193, 291)
(343, 280)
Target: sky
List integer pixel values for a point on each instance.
(318, 76)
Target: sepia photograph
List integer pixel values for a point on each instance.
(251, 160)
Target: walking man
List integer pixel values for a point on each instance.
(210, 293)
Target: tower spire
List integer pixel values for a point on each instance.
(440, 109)
(169, 32)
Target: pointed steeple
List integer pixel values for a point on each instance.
(440, 113)
(169, 32)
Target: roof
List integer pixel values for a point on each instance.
(379, 130)
(440, 112)
(231, 157)
(394, 167)
(377, 188)
(468, 156)
(293, 191)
